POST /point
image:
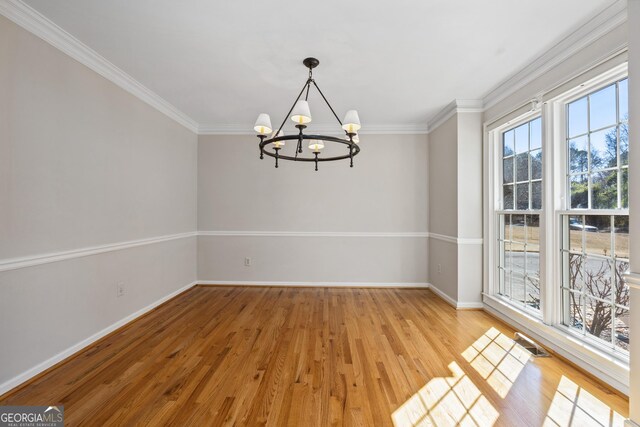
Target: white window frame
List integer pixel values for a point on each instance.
(498, 210)
(546, 327)
(559, 104)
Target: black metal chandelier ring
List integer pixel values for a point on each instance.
(354, 148)
(301, 115)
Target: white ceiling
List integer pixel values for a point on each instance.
(398, 62)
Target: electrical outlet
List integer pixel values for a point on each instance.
(247, 262)
(439, 268)
(119, 290)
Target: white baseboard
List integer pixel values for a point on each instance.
(314, 284)
(470, 305)
(452, 302)
(446, 298)
(25, 376)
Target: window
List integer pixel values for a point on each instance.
(558, 215)
(595, 244)
(598, 149)
(519, 219)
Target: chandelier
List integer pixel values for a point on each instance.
(300, 114)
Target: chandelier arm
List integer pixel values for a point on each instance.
(306, 84)
(325, 100)
(262, 137)
(306, 97)
(300, 136)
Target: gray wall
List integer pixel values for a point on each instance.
(386, 192)
(455, 208)
(443, 178)
(470, 208)
(83, 164)
(443, 207)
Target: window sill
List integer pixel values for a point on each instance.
(529, 312)
(605, 365)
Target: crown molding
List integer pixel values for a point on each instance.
(454, 107)
(324, 128)
(597, 27)
(31, 20)
(37, 24)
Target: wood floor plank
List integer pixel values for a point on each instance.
(315, 357)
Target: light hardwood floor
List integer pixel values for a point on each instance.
(317, 356)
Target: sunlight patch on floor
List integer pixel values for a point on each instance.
(574, 406)
(498, 359)
(449, 401)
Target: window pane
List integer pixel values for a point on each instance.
(596, 278)
(575, 308)
(522, 196)
(522, 138)
(595, 296)
(623, 93)
(576, 228)
(603, 149)
(535, 134)
(578, 155)
(507, 269)
(507, 227)
(517, 276)
(522, 167)
(622, 329)
(624, 197)
(604, 190)
(507, 191)
(507, 140)
(532, 298)
(622, 289)
(624, 144)
(598, 318)
(576, 272)
(579, 192)
(577, 112)
(533, 261)
(517, 228)
(536, 164)
(533, 232)
(518, 261)
(598, 234)
(622, 236)
(536, 195)
(602, 107)
(507, 170)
